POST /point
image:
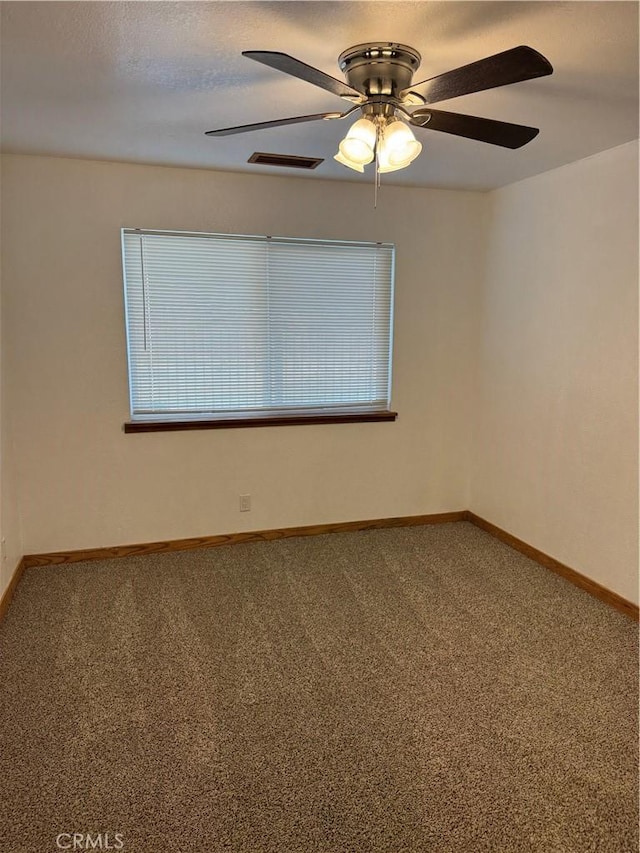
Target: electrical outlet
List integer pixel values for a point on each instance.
(245, 503)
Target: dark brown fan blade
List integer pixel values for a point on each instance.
(483, 129)
(261, 125)
(286, 63)
(511, 66)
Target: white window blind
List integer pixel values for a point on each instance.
(236, 326)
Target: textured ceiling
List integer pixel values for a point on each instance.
(142, 81)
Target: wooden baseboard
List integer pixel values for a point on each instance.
(236, 538)
(59, 557)
(7, 595)
(590, 586)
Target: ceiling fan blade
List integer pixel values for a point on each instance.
(290, 65)
(483, 129)
(511, 66)
(262, 125)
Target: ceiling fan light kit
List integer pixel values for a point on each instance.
(389, 140)
(379, 82)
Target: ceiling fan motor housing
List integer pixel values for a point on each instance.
(379, 68)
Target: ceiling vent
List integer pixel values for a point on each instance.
(289, 161)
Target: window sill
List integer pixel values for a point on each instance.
(273, 420)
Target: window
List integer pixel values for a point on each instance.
(234, 329)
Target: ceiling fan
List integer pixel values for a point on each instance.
(378, 81)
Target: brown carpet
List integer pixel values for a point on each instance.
(416, 689)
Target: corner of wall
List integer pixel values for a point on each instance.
(10, 523)
(555, 430)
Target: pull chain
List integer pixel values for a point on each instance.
(376, 174)
(376, 183)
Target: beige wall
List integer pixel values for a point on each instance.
(516, 318)
(11, 549)
(84, 483)
(555, 456)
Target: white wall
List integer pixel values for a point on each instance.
(84, 483)
(556, 452)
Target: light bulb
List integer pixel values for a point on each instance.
(356, 150)
(385, 166)
(399, 146)
(383, 158)
(357, 167)
(359, 143)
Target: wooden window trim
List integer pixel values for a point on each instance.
(272, 420)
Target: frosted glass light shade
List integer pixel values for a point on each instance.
(383, 160)
(385, 166)
(359, 143)
(399, 146)
(357, 167)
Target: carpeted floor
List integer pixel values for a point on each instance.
(422, 689)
